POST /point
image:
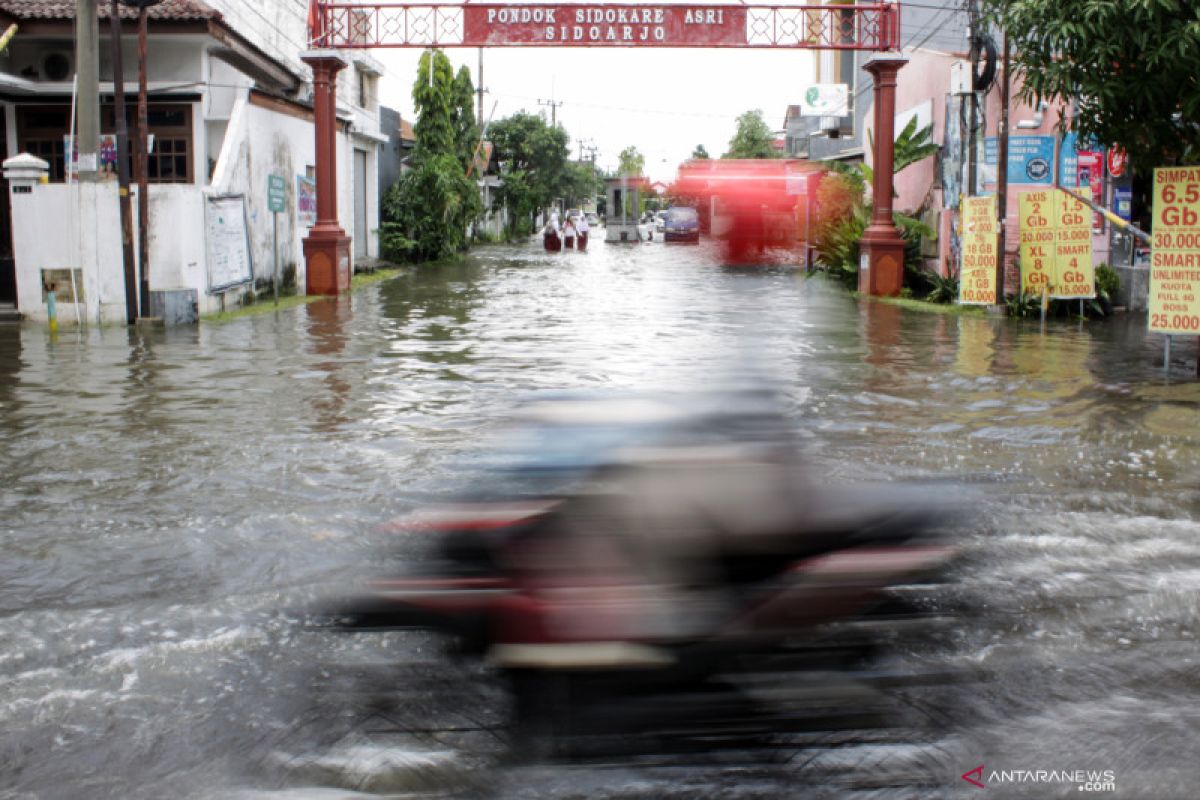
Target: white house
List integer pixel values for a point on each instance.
(229, 106)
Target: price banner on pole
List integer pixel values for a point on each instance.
(1074, 276)
(977, 275)
(1056, 245)
(1037, 241)
(1175, 251)
(1090, 174)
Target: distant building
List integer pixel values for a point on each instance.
(394, 155)
(229, 105)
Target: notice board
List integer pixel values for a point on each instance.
(228, 242)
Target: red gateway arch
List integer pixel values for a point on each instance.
(337, 25)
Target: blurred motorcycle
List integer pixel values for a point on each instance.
(670, 570)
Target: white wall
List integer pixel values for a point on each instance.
(178, 258)
(260, 142)
(57, 226)
(225, 86)
(278, 27)
(169, 59)
(78, 226)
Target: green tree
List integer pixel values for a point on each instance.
(427, 211)
(580, 183)
(700, 153)
(463, 114)
(533, 160)
(1132, 67)
(753, 139)
(433, 98)
(631, 162)
(466, 136)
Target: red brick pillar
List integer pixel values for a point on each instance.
(881, 250)
(327, 247)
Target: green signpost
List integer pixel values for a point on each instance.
(276, 202)
(276, 193)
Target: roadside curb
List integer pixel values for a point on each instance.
(357, 282)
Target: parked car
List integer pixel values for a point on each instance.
(682, 224)
(593, 218)
(660, 221)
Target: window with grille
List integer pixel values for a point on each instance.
(366, 90)
(42, 130)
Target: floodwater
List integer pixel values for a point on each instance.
(170, 498)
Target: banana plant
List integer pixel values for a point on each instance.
(911, 146)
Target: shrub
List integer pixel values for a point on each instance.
(1108, 282)
(943, 288)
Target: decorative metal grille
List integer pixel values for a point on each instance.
(367, 25)
(823, 27)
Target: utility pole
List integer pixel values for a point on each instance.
(1002, 173)
(143, 167)
(131, 283)
(553, 109)
(479, 90)
(976, 41)
(87, 66)
(584, 146)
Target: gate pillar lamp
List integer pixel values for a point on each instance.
(881, 249)
(327, 247)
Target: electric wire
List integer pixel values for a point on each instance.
(935, 21)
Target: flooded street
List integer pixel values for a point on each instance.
(170, 498)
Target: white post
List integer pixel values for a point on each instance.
(70, 156)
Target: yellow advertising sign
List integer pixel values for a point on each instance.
(1056, 245)
(1175, 253)
(1037, 241)
(977, 275)
(977, 279)
(1074, 276)
(979, 215)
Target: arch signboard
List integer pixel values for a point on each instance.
(382, 24)
(336, 25)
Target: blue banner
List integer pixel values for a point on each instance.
(1123, 202)
(1068, 174)
(1029, 158)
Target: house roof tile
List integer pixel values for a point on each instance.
(175, 10)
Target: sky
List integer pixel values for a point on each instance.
(662, 101)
